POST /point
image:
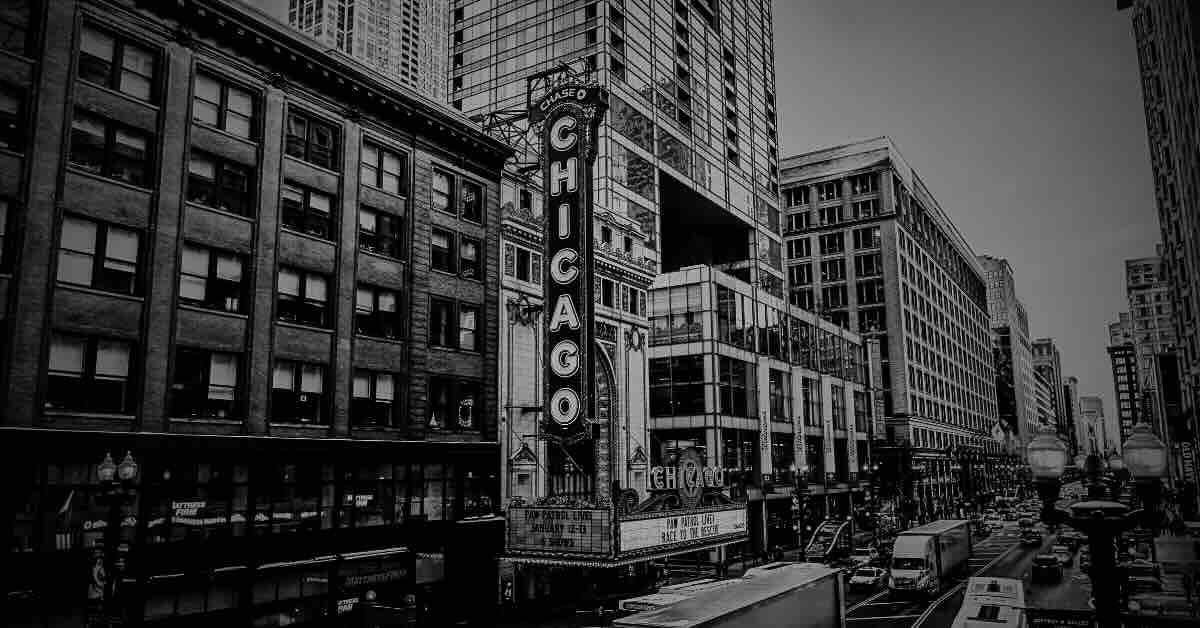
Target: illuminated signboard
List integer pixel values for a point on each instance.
(681, 528)
(560, 530)
(569, 114)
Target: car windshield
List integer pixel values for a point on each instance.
(865, 573)
(908, 563)
(1045, 560)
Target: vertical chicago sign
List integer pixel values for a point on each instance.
(570, 114)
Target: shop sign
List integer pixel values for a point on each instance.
(570, 115)
(685, 527)
(687, 475)
(395, 574)
(560, 530)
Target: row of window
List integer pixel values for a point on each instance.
(95, 374)
(834, 243)
(106, 257)
(830, 190)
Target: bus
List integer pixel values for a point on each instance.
(992, 603)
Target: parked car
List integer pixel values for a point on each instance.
(1047, 568)
(1064, 554)
(1031, 537)
(1025, 523)
(1085, 559)
(862, 556)
(868, 578)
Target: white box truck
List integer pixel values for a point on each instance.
(928, 558)
(801, 595)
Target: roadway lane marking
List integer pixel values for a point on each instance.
(881, 618)
(929, 611)
(864, 602)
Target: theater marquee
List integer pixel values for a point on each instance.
(682, 528)
(569, 115)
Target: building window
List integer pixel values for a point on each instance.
(523, 264)
(12, 130)
(211, 278)
(830, 215)
(870, 292)
(799, 248)
(98, 255)
(833, 243)
(800, 275)
(867, 238)
(798, 222)
(794, 197)
(833, 270)
(298, 393)
(779, 392)
(116, 63)
(454, 404)
(312, 141)
(89, 374)
(223, 106)
(864, 183)
(677, 386)
(376, 312)
(384, 169)
(14, 26)
(380, 233)
(472, 201)
(441, 253)
(441, 323)
(205, 384)
(829, 190)
(738, 388)
(865, 209)
(470, 252)
(838, 398)
(103, 147)
(308, 211)
(607, 295)
(868, 265)
(443, 192)
(802, 299)
(468, 327)
(303, 297)
(219, 183)
(374, 399)
(834, 296)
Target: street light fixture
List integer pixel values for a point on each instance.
(1101, 518)
(117, 482)
(1147, 464)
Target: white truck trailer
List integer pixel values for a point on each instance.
(927, 559)
(802, 595)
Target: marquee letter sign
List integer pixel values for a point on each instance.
(569, 115)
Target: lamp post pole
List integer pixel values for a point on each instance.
(1101, 517)
(117, 483)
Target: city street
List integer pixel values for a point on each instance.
(879, 610)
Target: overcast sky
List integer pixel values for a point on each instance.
(1023, 117)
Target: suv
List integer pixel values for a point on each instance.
(1064, 554)
(1031, 536)
(864, 556)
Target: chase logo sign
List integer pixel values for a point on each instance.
(569, 115)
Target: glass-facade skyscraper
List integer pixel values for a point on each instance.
(688, 150)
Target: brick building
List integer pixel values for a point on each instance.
(269, 276)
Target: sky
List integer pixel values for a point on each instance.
(1023, 117)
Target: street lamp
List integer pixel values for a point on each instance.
(1101, 519)
(1147, 463)
(117, 482)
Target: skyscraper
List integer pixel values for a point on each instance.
(687, 153)
(1013, 350)
(1071, 395)
(1152, 331)
(405, 40)
(1096, 439)
(1048, 362)
(1167, 33)
(870, 246)
(1126, 384)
